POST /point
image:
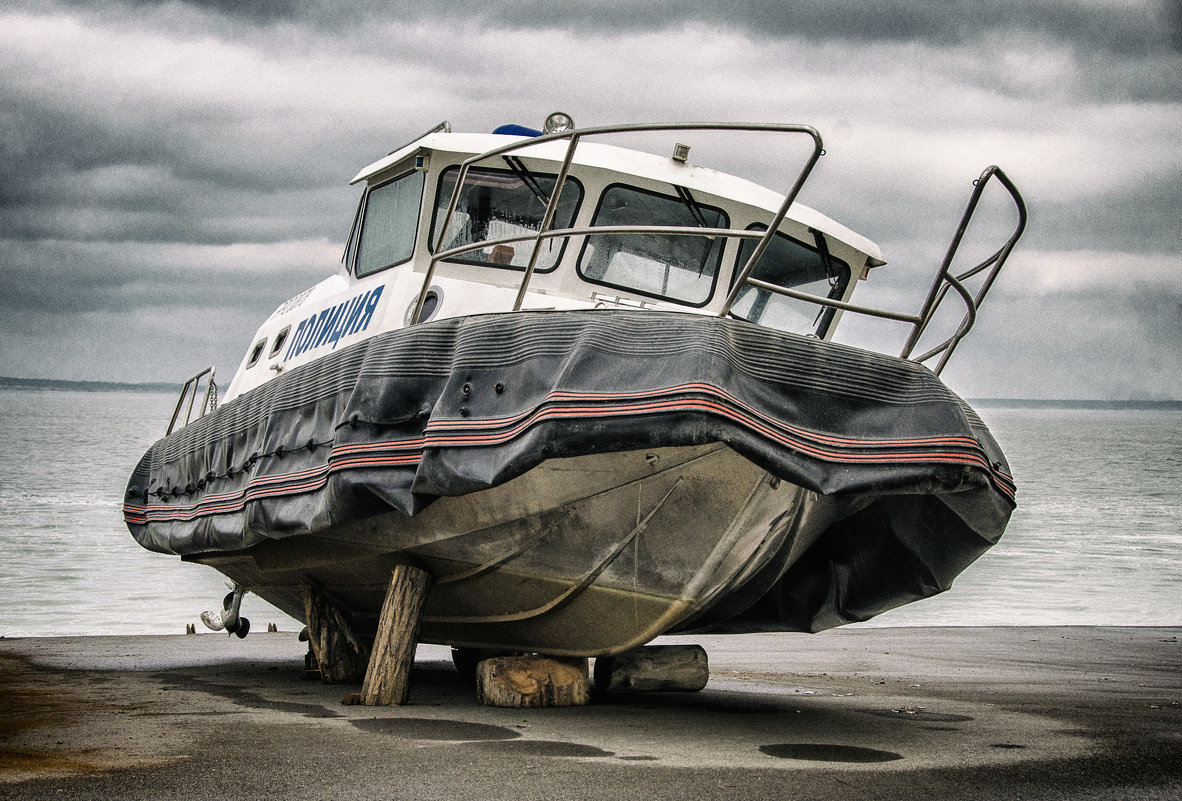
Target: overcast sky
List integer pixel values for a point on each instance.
(170, 172)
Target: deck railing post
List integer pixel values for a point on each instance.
(547, 220)
(774, 226)
(189, 390)
(945, 279)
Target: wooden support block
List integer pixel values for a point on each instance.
(340, 656)
(532, 681)
(654, 668)
(387, 682)
(466, 659)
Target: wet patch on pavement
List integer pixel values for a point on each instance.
(827, 752)
(548, 748)
(243, 697)
(727, 704)
(435, 729)
(918, 713)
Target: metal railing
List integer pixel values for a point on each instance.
(944, 280)
(189, 392)
(574, 137)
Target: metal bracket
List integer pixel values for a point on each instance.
(228, 619)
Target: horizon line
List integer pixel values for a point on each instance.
(13, 382)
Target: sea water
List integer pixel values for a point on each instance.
(68, 564)
(1096, 538)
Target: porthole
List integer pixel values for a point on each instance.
(431, 305)
(256, 353)
(279, 342)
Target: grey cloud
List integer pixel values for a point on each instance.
(266, 11)
(79, 188)
(60, 171)
(1120, 51)
(1121, 343)
(95, 316)
(1172, 17)
(263, 12)
(164, 344)
(1143, 219)
(70, 282)
(1112, 26)
(1138, 219)
(1122, 340)
(41, 136)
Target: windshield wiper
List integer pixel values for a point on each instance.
(526, 177)
(824, 313)
(694, 209)
(826, 259)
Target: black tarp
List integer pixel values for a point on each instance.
(459, 405)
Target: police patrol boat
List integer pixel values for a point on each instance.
(592, 392)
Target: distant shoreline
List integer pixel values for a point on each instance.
(55, 385)
(1067, 403)
(7, 382)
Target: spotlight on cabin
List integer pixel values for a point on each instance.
(681, 152)
(558, 123)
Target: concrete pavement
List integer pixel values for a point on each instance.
(903, 713)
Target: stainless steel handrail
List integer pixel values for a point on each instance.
(574, 137)
(189, 391)
(944, 281)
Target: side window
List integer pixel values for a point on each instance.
(678, 268)
(792, 265)
(390, 223)
(256, 352)
(280, 341)
(501, 203)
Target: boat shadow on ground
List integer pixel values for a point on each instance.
(96, 719)
(733, 723)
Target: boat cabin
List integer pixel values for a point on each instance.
(457, 224)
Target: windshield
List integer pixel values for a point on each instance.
(390, 224)
(503, 203)
(678, 268)
(792, 265)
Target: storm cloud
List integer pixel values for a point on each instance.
(171, 171)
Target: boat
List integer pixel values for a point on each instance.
(593, 392)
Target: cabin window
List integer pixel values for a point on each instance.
(256, 352)
(678, 268)
(793, 265)
(279, 342)
(390, 223)
(501, 203)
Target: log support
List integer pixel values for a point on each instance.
(387, 681)
(466, 659)
(654, 668)
(336, 651)
(532, 681)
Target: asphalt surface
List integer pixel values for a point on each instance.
(903, 713)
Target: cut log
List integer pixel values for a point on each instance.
(532, 681)
(387, 682)
(339, 655)
(654, 668)
(466, 659)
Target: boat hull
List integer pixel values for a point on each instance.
(581, 482)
